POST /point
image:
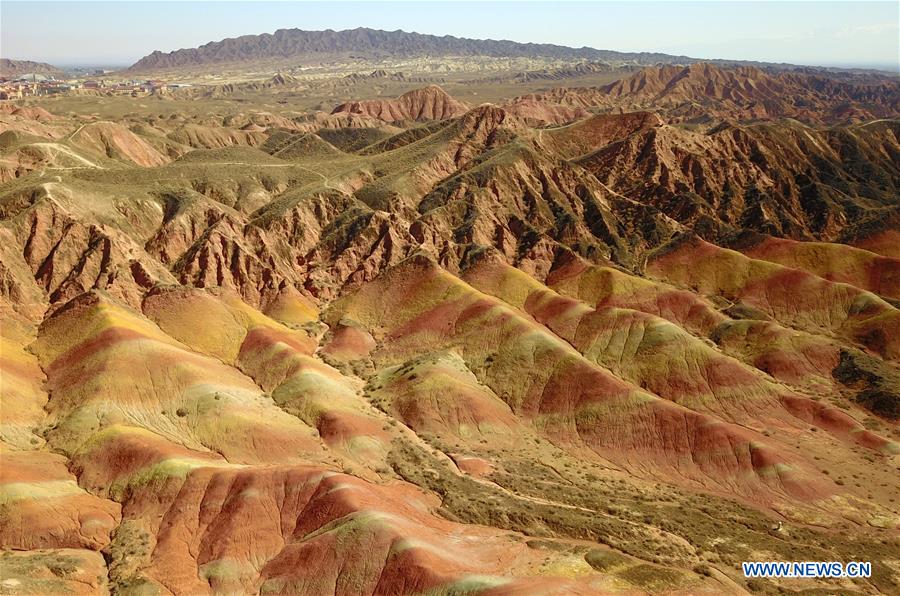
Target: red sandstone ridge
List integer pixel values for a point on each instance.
(748, 92)
(539, 113)
(29, 113)
(428, 103)
(704, 92)
(700, 80)
(114, 140)
(598, 131)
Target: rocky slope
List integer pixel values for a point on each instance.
(509, 349)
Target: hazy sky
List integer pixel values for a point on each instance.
(820, 33)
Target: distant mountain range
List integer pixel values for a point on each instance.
(294, 43)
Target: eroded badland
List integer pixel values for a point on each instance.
(617, 330)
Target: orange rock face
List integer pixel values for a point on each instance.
(615, 339)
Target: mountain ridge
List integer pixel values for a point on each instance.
(9, 68)
(288, 43)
